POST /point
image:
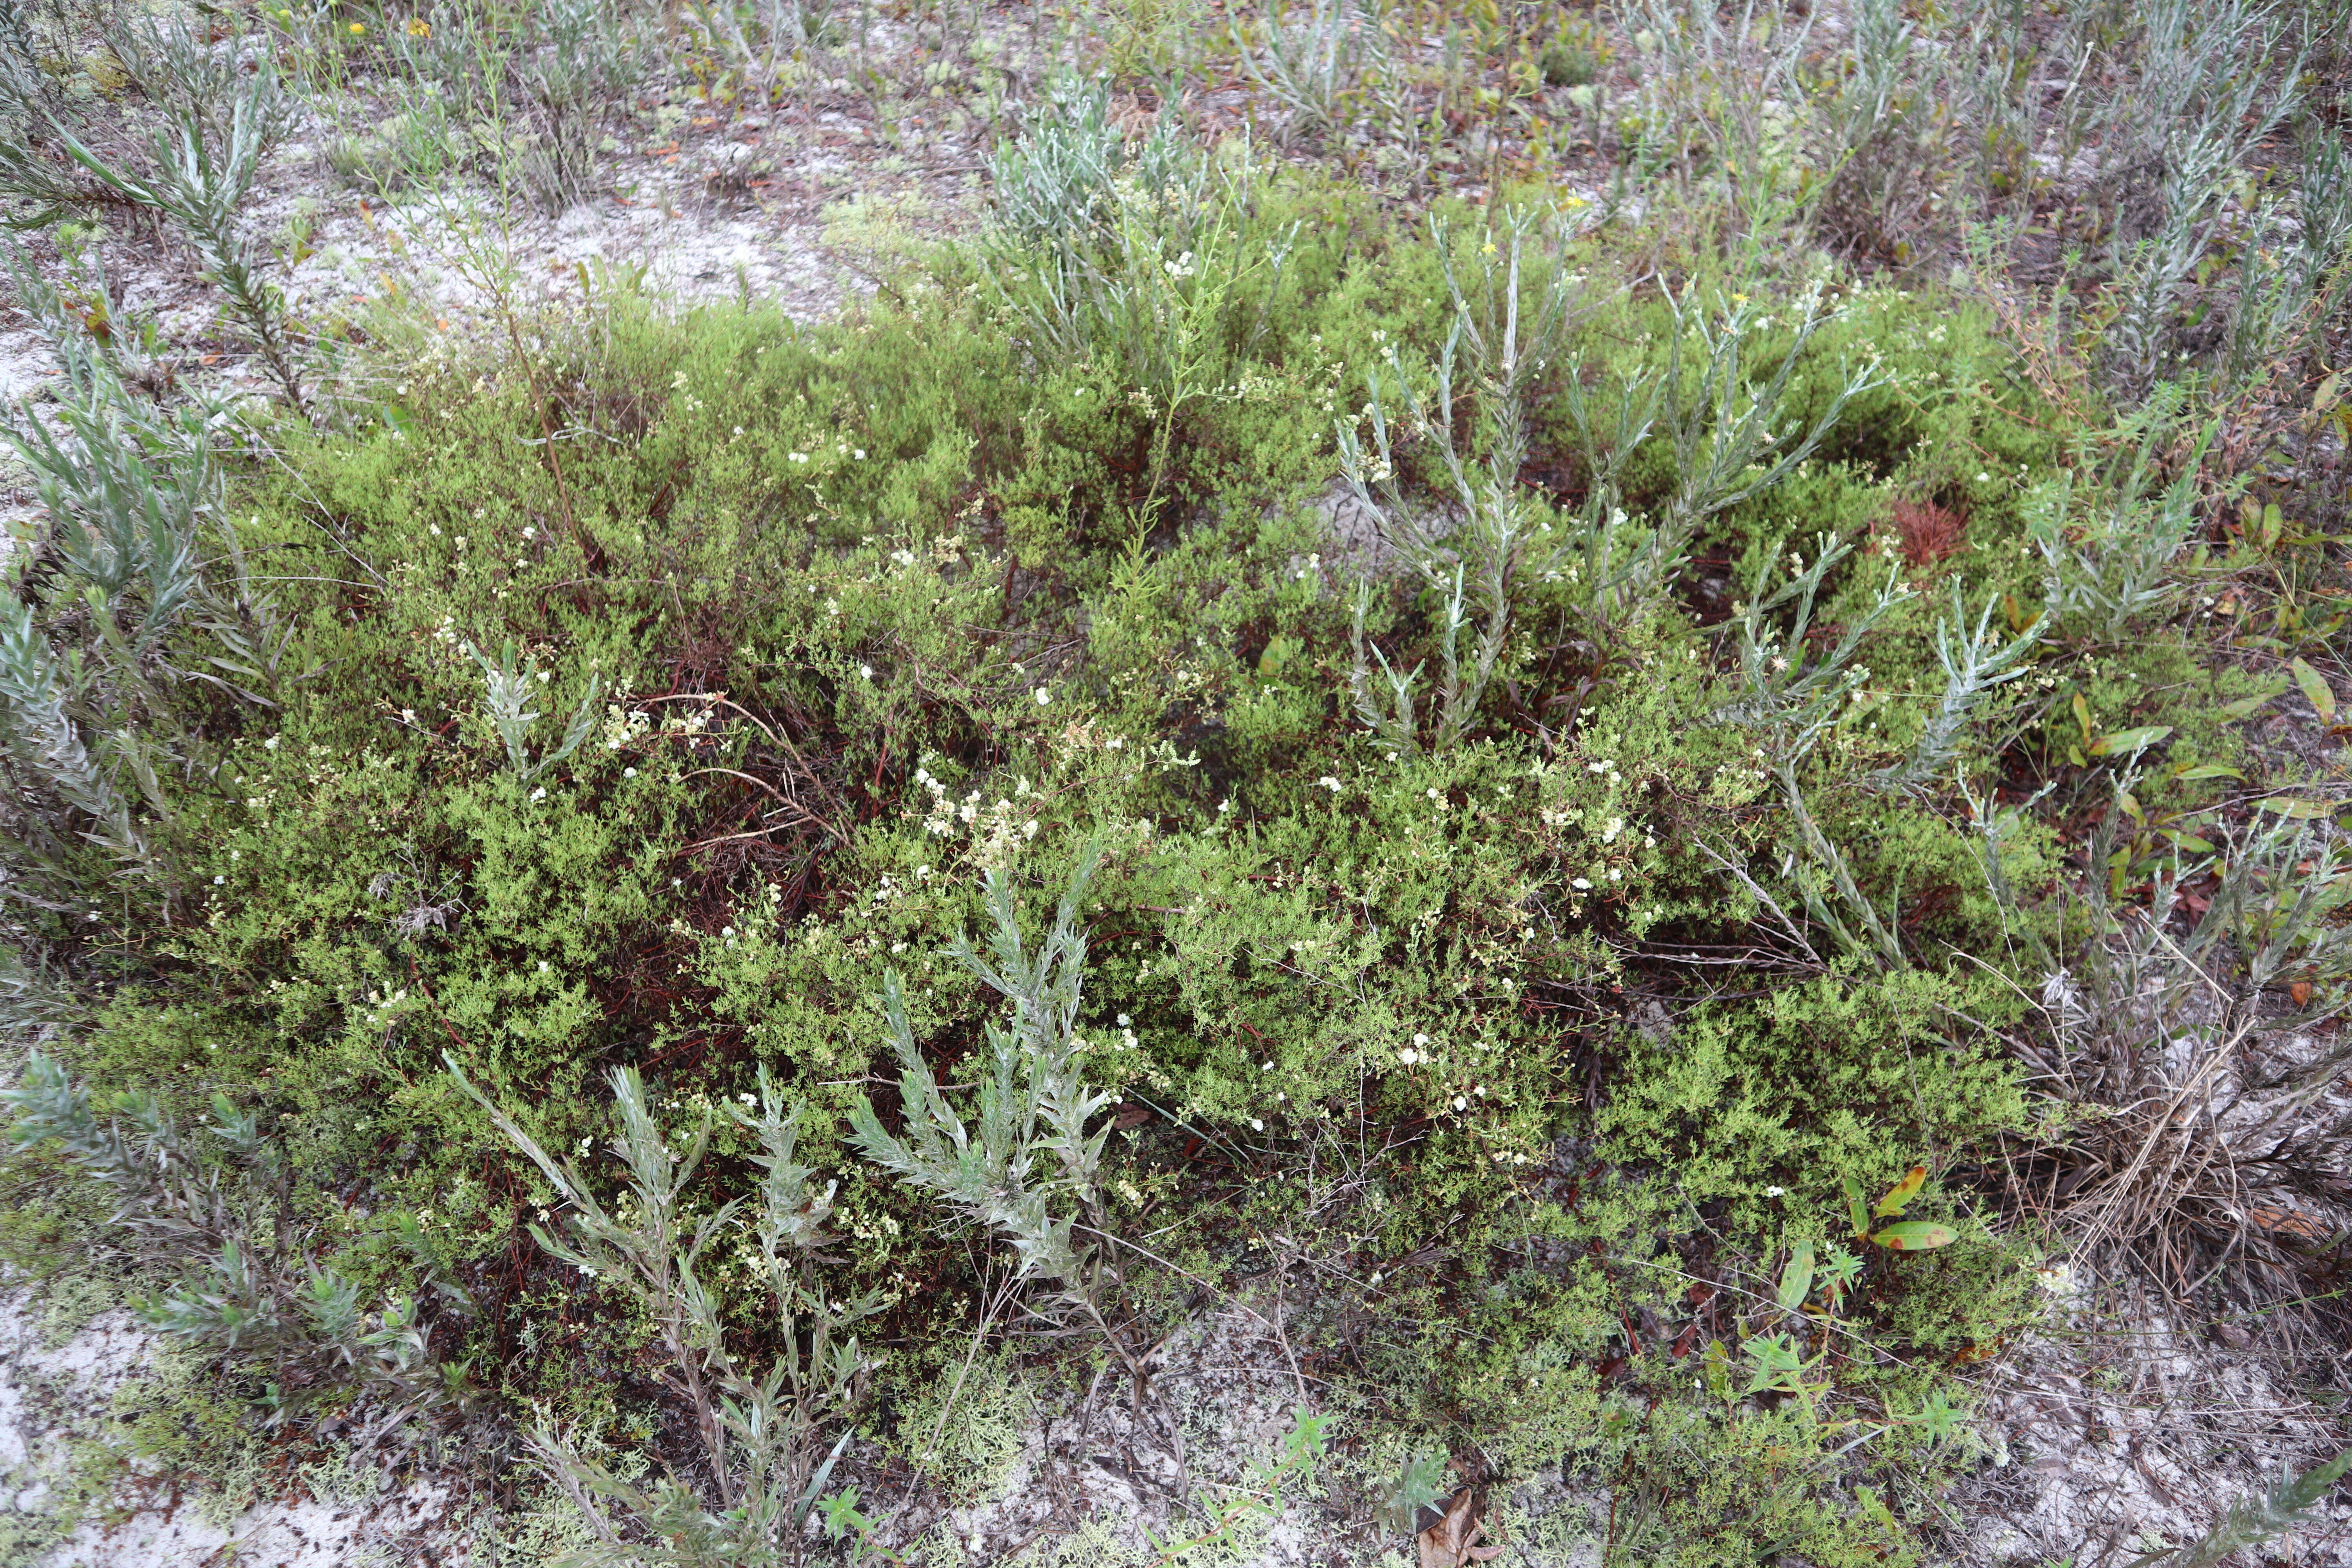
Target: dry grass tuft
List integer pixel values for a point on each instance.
(1929, 533)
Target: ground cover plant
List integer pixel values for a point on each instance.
(1587, 733)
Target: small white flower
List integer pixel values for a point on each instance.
(542, 966)
(1328, 782)
(539, 794)
(1408, 1055)
(1044, 697)
(1257, 1125)
(218, 880)
(1580, 884)
(748, 1099)
(1266, 1067)
(1123, 1020)
(1776, 1192)
(858, 453)
(1460, 1103)
(865, 671)
(628, 773)
(798, 457)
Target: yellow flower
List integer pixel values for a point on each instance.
(1486, 249)
(357, 28)
(418, 28)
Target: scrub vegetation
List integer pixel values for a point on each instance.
(1597, 721)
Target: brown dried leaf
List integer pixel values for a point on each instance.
(1453, 1540)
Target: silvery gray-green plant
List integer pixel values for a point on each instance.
(583, 58)
(762, 1435)
(1735, 74)
(204, 170)
(508, 692)
(1789, 699)
(1139, 257)
(33, 104)
(2107, 545)
(35, 1003)
(1059, 178)
(39, 690)
(2205, 96)
(760, 38)
(244, 1276)
(175, 64)
(2257, 1521)
(1309, 58)
(2295, 272)
(1729, 442)
(1976, 664)
(127, 487)
(1024, 1166)
(1490, 536)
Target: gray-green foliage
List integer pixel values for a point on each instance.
(1789, 700)
(508, 691)
(127, 488)
(2206, 98)
(244, 1276)
(586, 58)
(125, 483)
(2252, 1521)
(762, 36)
(2108, 547)
(1059, 178)
(1310, 59)
(203, 167)
(2295, 270)
(31, 108)
(761, 1434)
(1490, 536)
(1976, 664)
(1025, 1166)
(1140, 258)
(174, 63)
(39, 690)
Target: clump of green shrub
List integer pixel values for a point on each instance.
(840, 635)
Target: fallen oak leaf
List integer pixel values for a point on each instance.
(1453, 1540)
